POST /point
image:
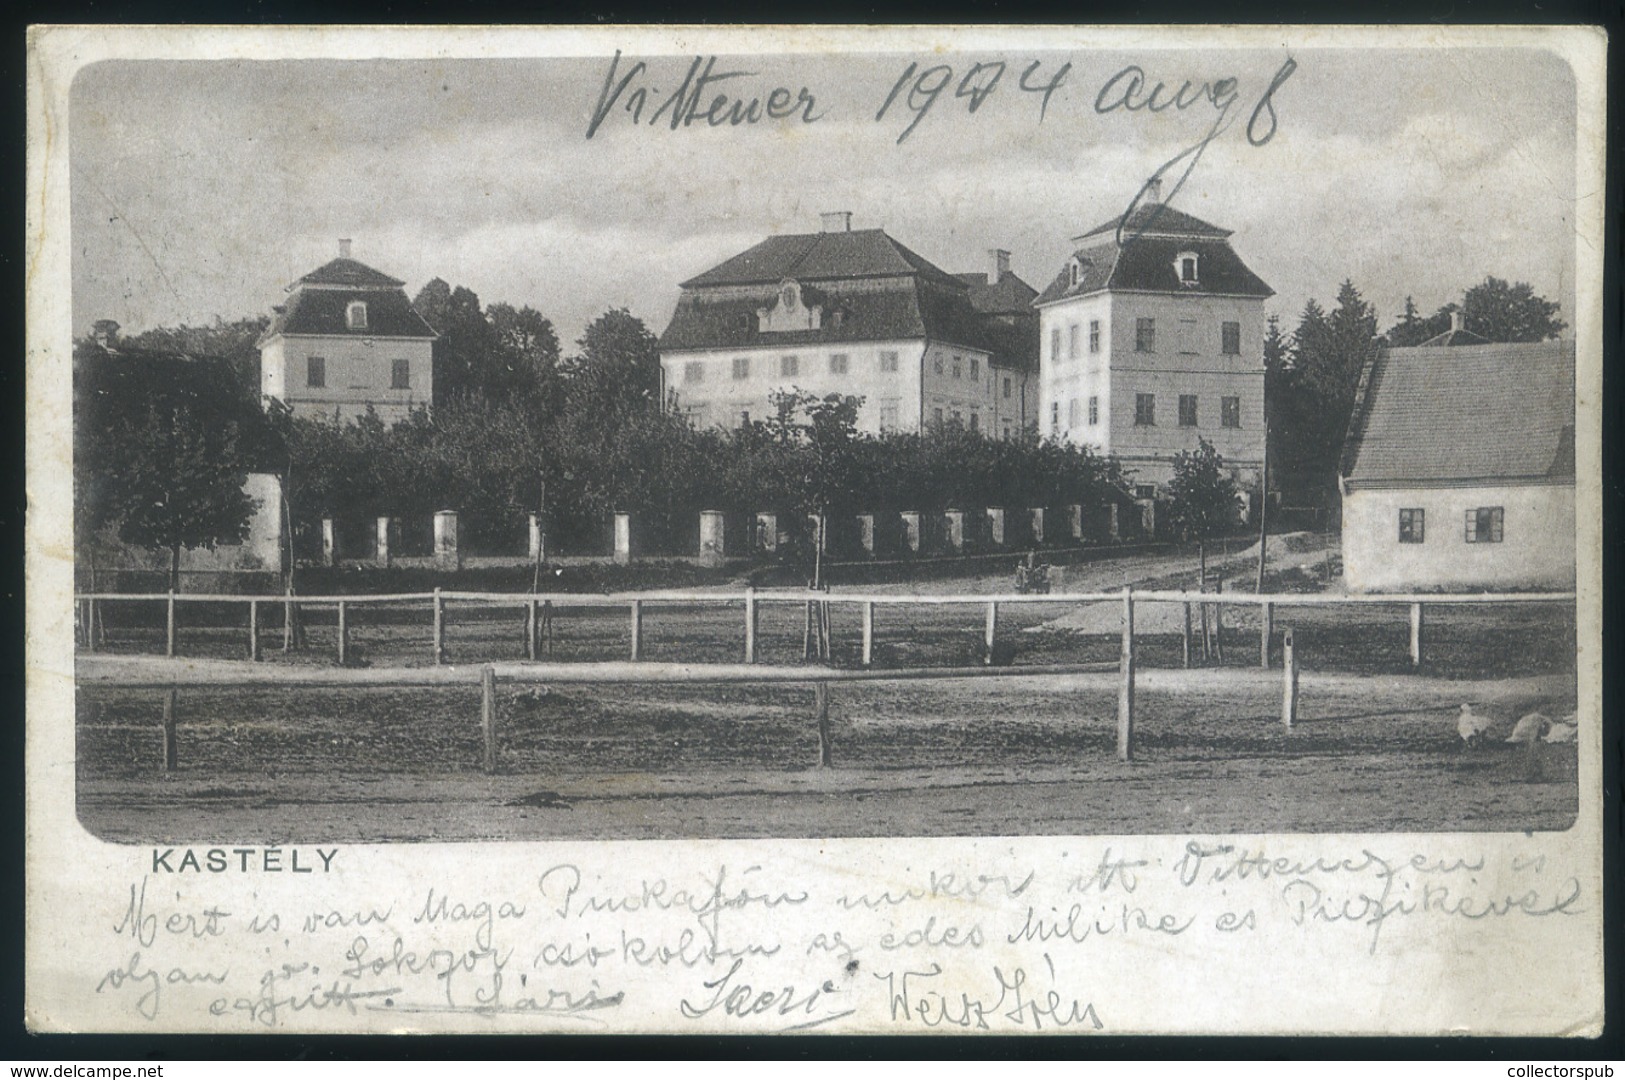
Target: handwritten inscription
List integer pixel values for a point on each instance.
(756, 949)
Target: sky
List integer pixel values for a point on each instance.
(200, 189)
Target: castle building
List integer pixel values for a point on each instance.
(1152, 338)
(348, 339)
(851, 312)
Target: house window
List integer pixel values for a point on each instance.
(1055, 344)
(1072, 342)
(1094, 411)
(745, 321)
(315, 371)
(1094, 335)
(838, 363)
(1232, 338)
(1145, 335)
(356, 315)
(693, 371)
(1145, 410)
(936, 414)
(1008, 431)
(1484, 525)
(958, 368)
(975, 421)
(888, 362)
(1007, 386)
(1055, 418)
(1187, 410)
(958, 418)
(400, 374)
(741, 367)
(1145, 491)
(1074, 272)
(744, 418)
(789, 366)
(936, 365)
(888, 415)
(1072, 413)
(1230, 412)
(1412, 526)
(1187, 268)
(975, 367)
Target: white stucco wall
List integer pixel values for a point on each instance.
(1536, 550)
(359, 373)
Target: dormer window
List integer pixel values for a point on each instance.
(1186, 267)
(787, 296)
(1074, 272)
(356, 315)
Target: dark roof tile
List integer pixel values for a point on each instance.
(1156, 219)
(1146, 264)
(818, 257)
(323, 311)
(348, 272)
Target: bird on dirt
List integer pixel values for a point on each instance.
(532, 695)
(1563, 732)
(1471, 726)
(1529, 728)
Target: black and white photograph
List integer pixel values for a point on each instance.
(1010, 487)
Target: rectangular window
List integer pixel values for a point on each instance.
(975, 367)
(936, 414)
(741, 367)
(357, 312)
(1484, 525)
(1054, 417)
(693, 371)
(958, 417)
(1145, 335)
(400, 374)
(888, 362)
(1094, 335)
(315, 371)
(1412, 526)
(789, 366)
(1094, 411)
(888, 415)
(1145, 491)
(1008, 430)
(744, 418)
(1187, 410)
(1232, 339)
(1007, 386)
(936, 365)
(975, 421)
(1230, 411)
(838, 363)
(1072, 342)
(1055, 344)
(1072, 413)
(1145, 410)
(958, 368)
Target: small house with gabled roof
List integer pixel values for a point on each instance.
(347, 339)
(1458, 470)
(851, 312)
(1152, 338)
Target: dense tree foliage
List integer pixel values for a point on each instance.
(1495, 310)
(1202, 497)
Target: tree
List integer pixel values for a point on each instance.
(1316, 385)
(619, 360)
(1202, 497)
(526, 358)
(1498, 311)
(238, 343)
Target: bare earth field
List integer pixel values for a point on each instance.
(1373, 750)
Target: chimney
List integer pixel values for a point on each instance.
(1153, 191)
(835, 221)
(998, 265)
(1455, 321)
(344, 249)
(105, 333)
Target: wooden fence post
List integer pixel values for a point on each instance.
(637, 629)
(171, 740)
(169, 634)
(439, 627)
(992, 629)
(253, 629)
(488, 715)
(1266, 632)
(868, 632)
(1187, 640)
(1289, 691)
(90, 625)
(547, 626)
(1218, 621)
(287, 623)
(807, 634)
(1416, 635)
(821, 706)
(1125, 694)
(532, 628)
(750, 626)
(344, 635)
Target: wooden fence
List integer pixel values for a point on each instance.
(156, 674)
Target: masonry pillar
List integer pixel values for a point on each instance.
(953, 525)
(381, 546)
(713, 538)
(536, 541)
(767, 533)
(911, 531)
(1074, 522)
(1037, 514)
(866, 533)
(1113, 532)
(330, 542)
(995, 526)
(623, 537)
(447, 546)
(1148, 518)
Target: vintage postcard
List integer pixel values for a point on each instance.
(815, 530)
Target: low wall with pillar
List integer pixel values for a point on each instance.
(448, 549)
